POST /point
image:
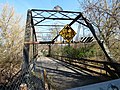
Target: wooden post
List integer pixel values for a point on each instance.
(23, 86)
(45, 75)
(47, 87)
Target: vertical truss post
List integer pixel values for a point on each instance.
(33, 39)
(27, 39)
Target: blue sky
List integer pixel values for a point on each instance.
(21, 6)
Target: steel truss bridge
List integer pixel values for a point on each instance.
(37, 23)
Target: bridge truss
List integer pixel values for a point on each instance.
(39, 22)
(42, 23)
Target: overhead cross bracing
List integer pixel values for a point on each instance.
(52, 21)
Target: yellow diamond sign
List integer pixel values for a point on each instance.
(67, 33)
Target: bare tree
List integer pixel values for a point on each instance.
(105, 16)
(11, 42)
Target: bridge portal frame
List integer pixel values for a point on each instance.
(35, 17)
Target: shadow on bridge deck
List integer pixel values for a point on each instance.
(64, 76)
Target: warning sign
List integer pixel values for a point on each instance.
(67, 33)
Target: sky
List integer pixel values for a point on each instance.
(21, 6)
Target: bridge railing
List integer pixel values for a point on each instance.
(92, 67)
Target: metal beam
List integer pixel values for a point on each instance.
(55, 18)
(55, 38)
(51, 25)
(27, 39)
(71, 23)
(43, 32)
(49, 42)
(32, 23)
(54, 11)
(40, 42)
(75, 19)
